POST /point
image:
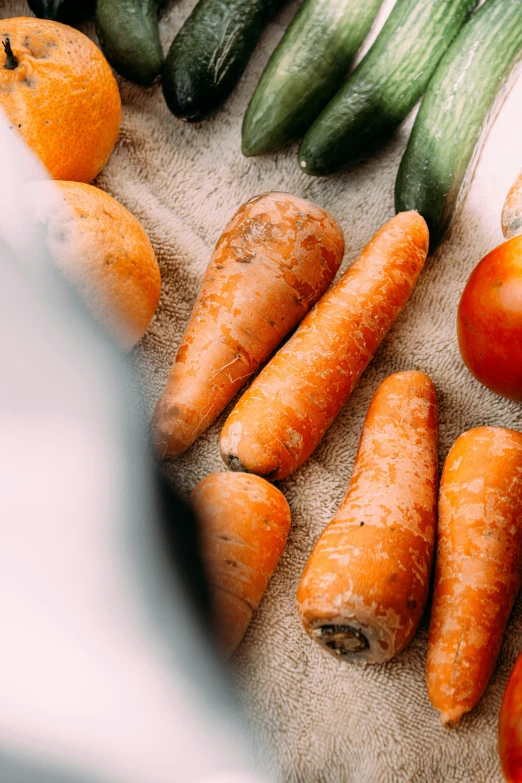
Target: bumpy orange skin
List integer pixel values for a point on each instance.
(512, 211)
(276, 257)
(283, 416)
(478, 568)
(510, 726)
(62, 97)
(244, 524)
(103, 251)
(489, 320)
(365, 586)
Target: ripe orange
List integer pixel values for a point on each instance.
(58, 91)
(103, 251)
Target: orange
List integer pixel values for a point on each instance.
(103, 251)
(58, 92)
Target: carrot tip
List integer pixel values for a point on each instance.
(450, 719)
(340, 639)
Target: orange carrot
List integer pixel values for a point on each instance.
(281, 419)
(245, 523)
(479, 566)
(512, 211)
(510, 726)
(364, 588)
(276, 257)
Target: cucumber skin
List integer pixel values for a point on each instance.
(305, 71)
(129, 37)
(61, 10)
(456, 114)
(386, 84)
(210, 53)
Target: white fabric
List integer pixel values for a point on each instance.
(325, 721)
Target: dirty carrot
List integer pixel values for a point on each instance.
(244, 525)
(512, 211)
(282, 418)
(274, 260)
(478, 569)
(364, 588)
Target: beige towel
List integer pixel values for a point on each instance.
(322, 721)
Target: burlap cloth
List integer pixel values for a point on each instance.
(322, 721)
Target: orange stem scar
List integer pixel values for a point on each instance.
(11, 62)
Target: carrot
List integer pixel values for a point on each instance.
(245, 523)
(365, 586)
(281, 419)
(274, 260)
(510, 726)
(479, 566)
(512, 211)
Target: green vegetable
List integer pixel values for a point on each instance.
(305, 71)
(210, 53)
(61, 10)
(385, 86)
(129, 37)
(456, 114)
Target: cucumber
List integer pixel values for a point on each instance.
(386, 84)
(305, 71)
(456, 114)
(210, 53)
(61, 10)
(129, 37)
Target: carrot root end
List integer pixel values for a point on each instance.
(235, 464)
(340, 639)
(450, 719)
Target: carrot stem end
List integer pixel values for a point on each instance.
(341, 639)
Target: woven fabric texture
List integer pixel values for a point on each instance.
(320, 720)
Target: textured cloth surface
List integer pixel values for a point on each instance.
(322, 721)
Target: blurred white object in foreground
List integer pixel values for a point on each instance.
(104, 675)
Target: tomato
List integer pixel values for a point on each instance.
(489, 320)
(510, 726)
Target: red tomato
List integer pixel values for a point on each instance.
(510, 726)
(489, 320)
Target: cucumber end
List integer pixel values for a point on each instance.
(314, 159)
(183, 100)
(136, 61)
(255, 140)
(249, 149)
(406, 201)
(252, 148)
(143, 76)
(307, 167)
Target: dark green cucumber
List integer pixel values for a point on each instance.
(305, 71)
(62, 10)
(456, 114)
(129, 37)
(386, 84)
(210, 53)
